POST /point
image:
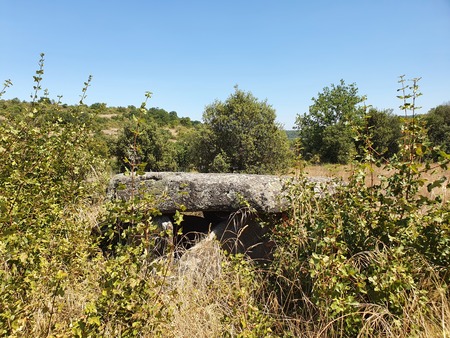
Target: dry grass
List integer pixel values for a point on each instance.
(200, 310)
(55, 315)
(345, 171)
(107, 116)
(49, 313)
(429, 321)
(207, 293)
(206, 296)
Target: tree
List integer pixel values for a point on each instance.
(241, 135)
(326, 131)
(438, 124)
(145, 144)
(190, 149)
(384, 131)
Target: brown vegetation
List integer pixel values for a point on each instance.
(344, 172)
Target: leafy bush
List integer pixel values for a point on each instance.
(355, 255)
(351, 260)
(48, 171)
(326, 131)
(438, 125)
(383, 130)
(241, 135)
(153, 150)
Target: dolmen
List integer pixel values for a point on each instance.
(236, 209)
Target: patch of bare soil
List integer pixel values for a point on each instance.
(107, 116)
(111, 131)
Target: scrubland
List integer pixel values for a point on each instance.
(368, 258)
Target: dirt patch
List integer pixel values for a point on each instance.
(111, 131)
(107, 116)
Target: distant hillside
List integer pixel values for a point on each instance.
(106, 118)
(292, 134)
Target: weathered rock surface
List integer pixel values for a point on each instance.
(220, 198)
(205, 192)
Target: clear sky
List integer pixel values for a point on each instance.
(192, 52)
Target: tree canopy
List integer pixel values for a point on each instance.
(326, 131)
(146, 144)
(241, 135)
(383, 129)
(438, 124)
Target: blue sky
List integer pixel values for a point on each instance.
(190, 53)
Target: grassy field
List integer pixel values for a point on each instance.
(345, 171)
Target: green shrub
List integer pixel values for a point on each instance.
(48, 171)
(355, 251)
(351, 260)
(438, 126)
(153, 149)
(241, 135)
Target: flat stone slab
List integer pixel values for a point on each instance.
(204, 192)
